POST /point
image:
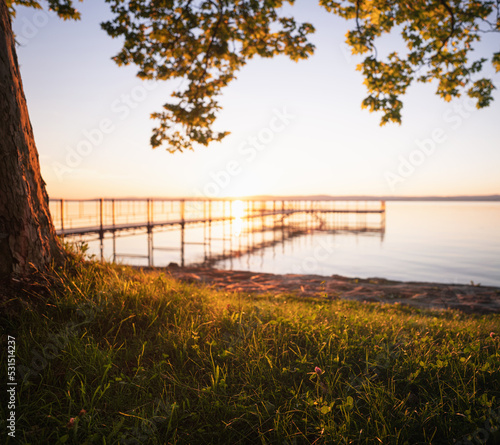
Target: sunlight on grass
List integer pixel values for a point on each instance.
(151, 360)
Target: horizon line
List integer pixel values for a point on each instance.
(317, 197)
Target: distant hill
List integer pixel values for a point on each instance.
(383, 198)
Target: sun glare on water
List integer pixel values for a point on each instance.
(238, 211)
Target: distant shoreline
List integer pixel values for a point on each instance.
(464, 198)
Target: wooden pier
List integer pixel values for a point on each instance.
(234, 222)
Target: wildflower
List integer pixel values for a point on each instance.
(82, 412)
(318, 370)
(492, 334)
(71, 423)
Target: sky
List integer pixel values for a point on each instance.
(296, 128)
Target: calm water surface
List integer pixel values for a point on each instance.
(446, 242)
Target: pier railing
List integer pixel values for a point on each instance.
(110, 217)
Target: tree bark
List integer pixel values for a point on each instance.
(28, 241)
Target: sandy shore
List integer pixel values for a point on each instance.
(467, 298)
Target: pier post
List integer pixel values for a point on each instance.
(231, 234)
(101, 229)
(210, 229)
(240, 235)
(62, 215)
(224, 229)
(205, 230)
(382, 204)
(251, 225)
(262, 221)
(183, 223)
(150, 233)
(274, 222)
(282, 221)
(114, 229)
(249, 215)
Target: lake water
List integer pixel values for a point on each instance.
(446, 242)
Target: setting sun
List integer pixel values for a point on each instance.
(238, 209)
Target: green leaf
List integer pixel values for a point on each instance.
(325, 409)
(496, 61)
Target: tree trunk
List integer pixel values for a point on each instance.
(28, 240)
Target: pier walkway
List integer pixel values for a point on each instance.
(110, 218)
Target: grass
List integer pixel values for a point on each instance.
(117, 355)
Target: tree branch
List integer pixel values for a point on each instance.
(452, 31)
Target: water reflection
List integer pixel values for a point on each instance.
(445, 242)
(441, 242)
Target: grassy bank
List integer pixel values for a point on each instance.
(115, 355)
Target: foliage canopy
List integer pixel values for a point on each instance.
(206, 42)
